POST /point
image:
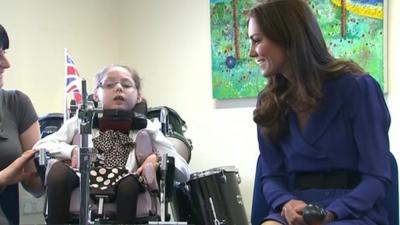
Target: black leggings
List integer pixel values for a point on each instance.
(62, 180)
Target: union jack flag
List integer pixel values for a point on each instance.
(72, 78)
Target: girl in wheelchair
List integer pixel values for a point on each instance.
(119, 159)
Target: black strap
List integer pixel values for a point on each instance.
(338, 179)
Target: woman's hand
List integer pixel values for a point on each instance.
(15, 172)
(152, 159)
(292, 211)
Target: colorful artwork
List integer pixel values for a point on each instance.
(353, 29)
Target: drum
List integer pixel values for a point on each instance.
(212, 197)
(173, 127)
(50, 123)
(182, 145)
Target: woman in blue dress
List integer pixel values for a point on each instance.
(322, 122)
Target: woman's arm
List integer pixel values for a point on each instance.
(28, 138)
(273, 173)
(370, 123)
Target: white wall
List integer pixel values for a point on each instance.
(168, 42)
(40, 30)
(393, 97)
(170, 47)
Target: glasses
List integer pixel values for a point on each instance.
(112, 84)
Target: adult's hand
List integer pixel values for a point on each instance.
(292, 211)
(15, 172)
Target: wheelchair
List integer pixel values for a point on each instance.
(105, 212)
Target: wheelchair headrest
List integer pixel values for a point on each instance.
(139, 121)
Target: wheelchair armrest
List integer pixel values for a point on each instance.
(167, 170)
(168, 175)
(43, 161)
(170, 178)
(40, 160)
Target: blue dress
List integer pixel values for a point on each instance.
(348, 131)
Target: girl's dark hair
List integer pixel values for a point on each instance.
(292, 25)
(4, 42)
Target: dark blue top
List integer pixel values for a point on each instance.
(348, 131)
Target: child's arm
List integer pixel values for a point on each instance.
(59, 144)
(162, 145)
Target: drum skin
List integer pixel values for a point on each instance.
(181, 144)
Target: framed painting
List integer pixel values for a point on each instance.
(353, 29)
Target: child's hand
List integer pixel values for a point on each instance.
(74, 158)
(152, 159)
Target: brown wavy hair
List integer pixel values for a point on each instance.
(292, 25)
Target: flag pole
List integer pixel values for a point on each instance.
(65, 84)
(72, 85)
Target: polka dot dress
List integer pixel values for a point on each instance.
(113, 150)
